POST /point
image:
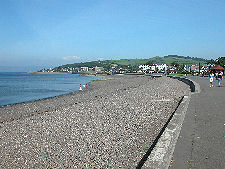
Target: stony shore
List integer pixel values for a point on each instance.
(109, 125)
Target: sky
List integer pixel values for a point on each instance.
(37, 34)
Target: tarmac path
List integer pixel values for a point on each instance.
(201, 143)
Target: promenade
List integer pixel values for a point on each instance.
(201, 143)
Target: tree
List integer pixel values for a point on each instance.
(150, 63)
(220, 61)
(211, 62)
(175, 64)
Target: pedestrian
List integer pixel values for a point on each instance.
(216, 74)
(220, 77)
(80, 87)
(211, 78)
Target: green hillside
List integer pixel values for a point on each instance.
(178, 59)
(133, 63)
(107, 64)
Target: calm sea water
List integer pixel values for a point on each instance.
(17, 88)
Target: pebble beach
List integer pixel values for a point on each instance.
(111, 124)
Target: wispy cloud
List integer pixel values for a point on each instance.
(71, 57)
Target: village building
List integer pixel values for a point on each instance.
(84, 69)
(162, 67)
(98, 69)
(153, 68)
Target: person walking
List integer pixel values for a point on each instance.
(80, 87)
(216, 76)
(211, 78)
(220, 77)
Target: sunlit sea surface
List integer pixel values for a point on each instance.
(17, 88)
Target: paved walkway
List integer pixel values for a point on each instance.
(201, 143)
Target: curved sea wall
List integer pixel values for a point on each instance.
(109, 125)
(185, 80)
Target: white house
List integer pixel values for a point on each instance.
(84, 69)
(153, 68)
(99, 69)
(147, 67)
(162, 67)
(144, 67)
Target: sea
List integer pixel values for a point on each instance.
(18, 88)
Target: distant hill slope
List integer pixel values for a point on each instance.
(179, 59)
(106, 64)
(134, 62)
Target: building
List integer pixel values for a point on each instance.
(153, 68)
(84, 69)
(162, 67)
(99, 69)
(147, 67)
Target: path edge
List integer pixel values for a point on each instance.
(161, 156)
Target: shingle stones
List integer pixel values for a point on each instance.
(109, 125)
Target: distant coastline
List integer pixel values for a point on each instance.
(35, 73)
(49, 73)
(13, 73)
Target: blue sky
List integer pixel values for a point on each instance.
(47, 33)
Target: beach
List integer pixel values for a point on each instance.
(111, 124)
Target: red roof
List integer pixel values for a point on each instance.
(217, 67)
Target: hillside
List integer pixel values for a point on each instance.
(106, 64)
(178, 59)
(132, 63)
